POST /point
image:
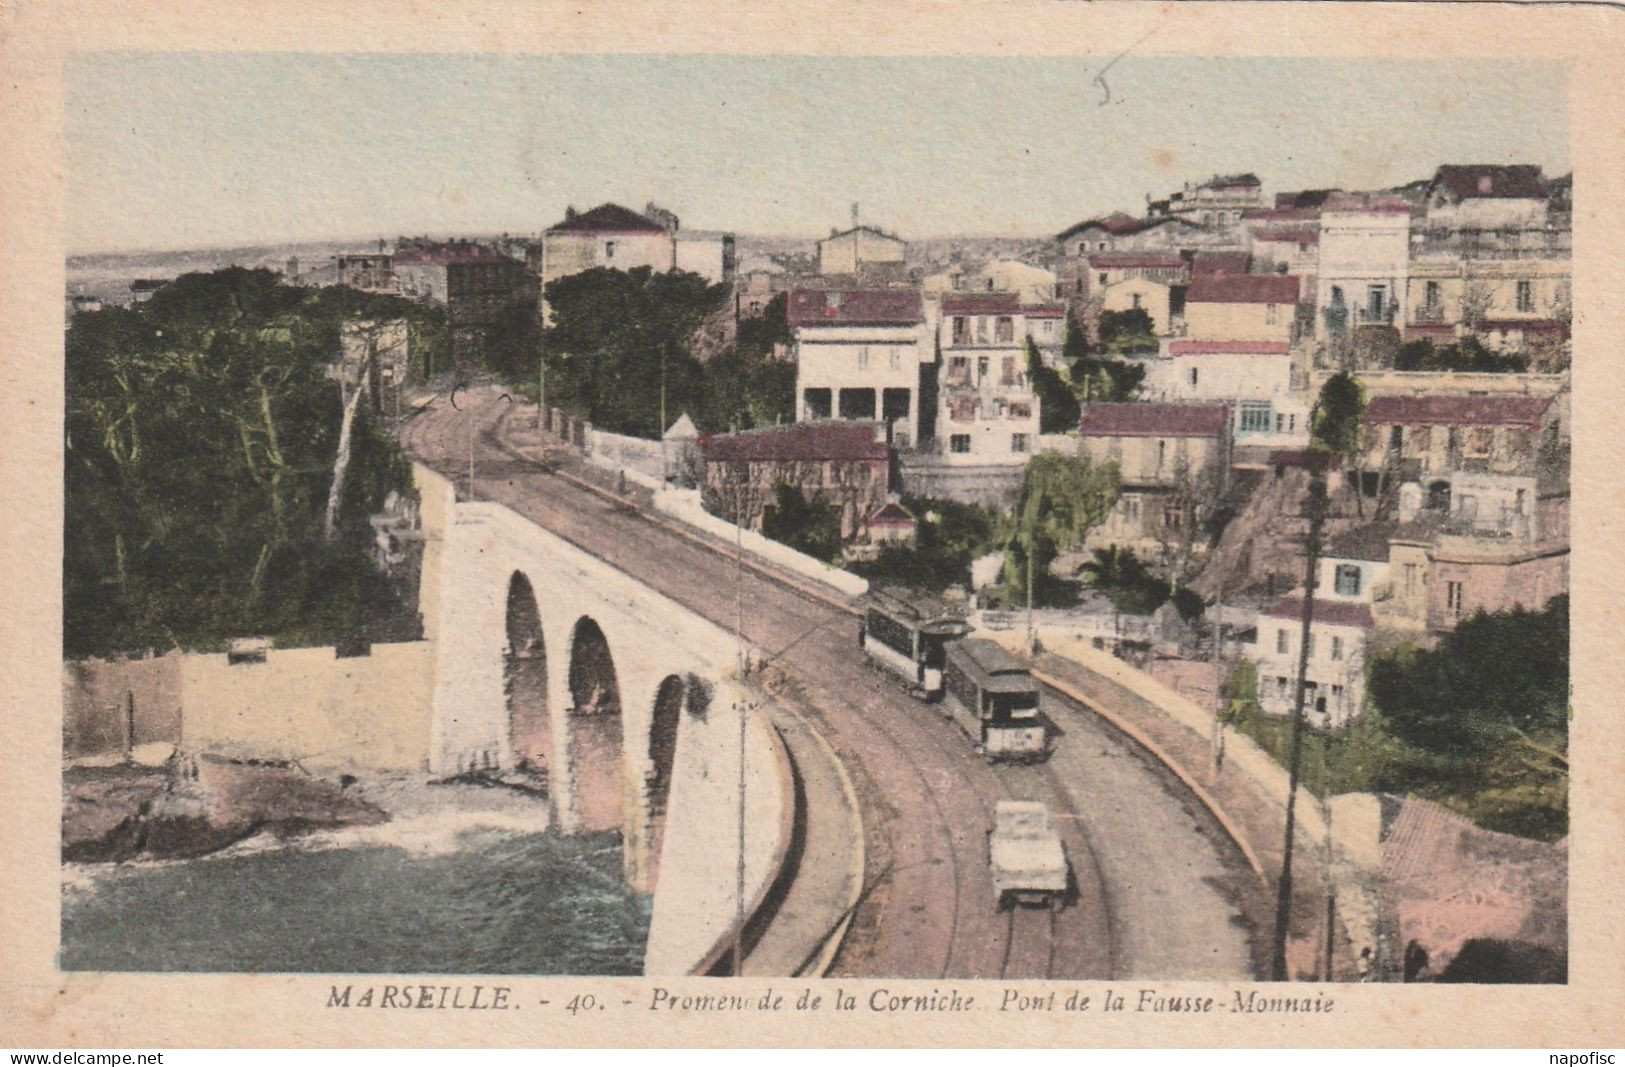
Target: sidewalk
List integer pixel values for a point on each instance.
(810, 921)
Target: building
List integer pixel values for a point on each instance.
(987, 411)
(1033, 284)
(860, 355)
(1364, 264)
(1170, 459)
(1259, 381)
(852, 251)
(1241, 307)
(1219, 202)
(1435, 438)
(1486, 196)
(370, 272)
(1334, 683)
(474, 284)
(617, 238)
(1119, 234)
(843, 466)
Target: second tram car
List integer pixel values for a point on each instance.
(995, 700)
(909, 635)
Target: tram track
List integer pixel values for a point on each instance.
(924, 793)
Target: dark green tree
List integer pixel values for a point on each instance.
(1058, 407)
(618, 339)
(202, 431)
(809, 527)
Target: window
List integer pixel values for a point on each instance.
(1101, 246)
(1255, 418)
(1079, 286)
(817, 403)
(1376, 299)
(1193, 377)
(1008, 367)
(981, 329)
(609, 249)
(1310, 645)
(981, 367)
(961, 330)
(1431, 300)
(1337, 648)
(1137, 299)
(1526, 296)
(1004, 329)
(959, 442)
(1347, 581)
(1018, 442)
(1282, 641)
(1411, 572)
(1281, 686)
(1019, 410)
(1270, 313)
(1131, 508)
(1083, 248)
(863, 357)
(1452, 598)
(1102, 278)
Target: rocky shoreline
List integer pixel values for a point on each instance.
(186, 807)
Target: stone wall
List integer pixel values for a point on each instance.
(113, 705)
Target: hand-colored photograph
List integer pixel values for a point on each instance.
(936, 517)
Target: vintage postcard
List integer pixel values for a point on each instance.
(887, 524)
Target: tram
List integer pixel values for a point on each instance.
(995, 701)
(908, 635)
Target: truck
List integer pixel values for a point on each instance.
(1026, 856)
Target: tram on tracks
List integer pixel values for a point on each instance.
(908, 634)
(995, 701)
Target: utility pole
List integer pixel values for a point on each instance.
(1316, 506)
(1218, 677)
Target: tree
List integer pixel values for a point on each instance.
(1130, 331)
(1337, 417)
(810, 527)
(1490, 705)
(620, 340)
(1062, 498)
(203, 446)
(1058, 408)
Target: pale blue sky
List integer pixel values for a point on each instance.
(178, 151)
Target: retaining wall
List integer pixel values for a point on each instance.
(684, 505)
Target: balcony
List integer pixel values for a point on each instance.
(1548, 243)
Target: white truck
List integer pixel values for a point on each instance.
(1026, 856)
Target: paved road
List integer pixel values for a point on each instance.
(1150, 901)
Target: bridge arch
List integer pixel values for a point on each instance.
(524, 680)
(595, 731)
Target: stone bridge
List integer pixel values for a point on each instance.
(550, 660)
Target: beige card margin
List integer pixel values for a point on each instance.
(41, 1007)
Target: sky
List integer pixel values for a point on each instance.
(173, 151)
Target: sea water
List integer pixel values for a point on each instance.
(499, 902)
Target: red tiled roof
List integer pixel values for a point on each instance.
(1119, 223)
(848, 441)
(1300, 237)
(608, 218)
(854, 307)
(1220, 262)
(1043, 311)
(1330, 612)
(1133, 260)
(1242, 289)
(1526, 325)
(893, 514)
(441, 254)
(1517, 411)
(990, 304)
(1467, 181)
(1228, 348)
(1154, 420)
(865, 229)
(1370, 203)
(1283, 214)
